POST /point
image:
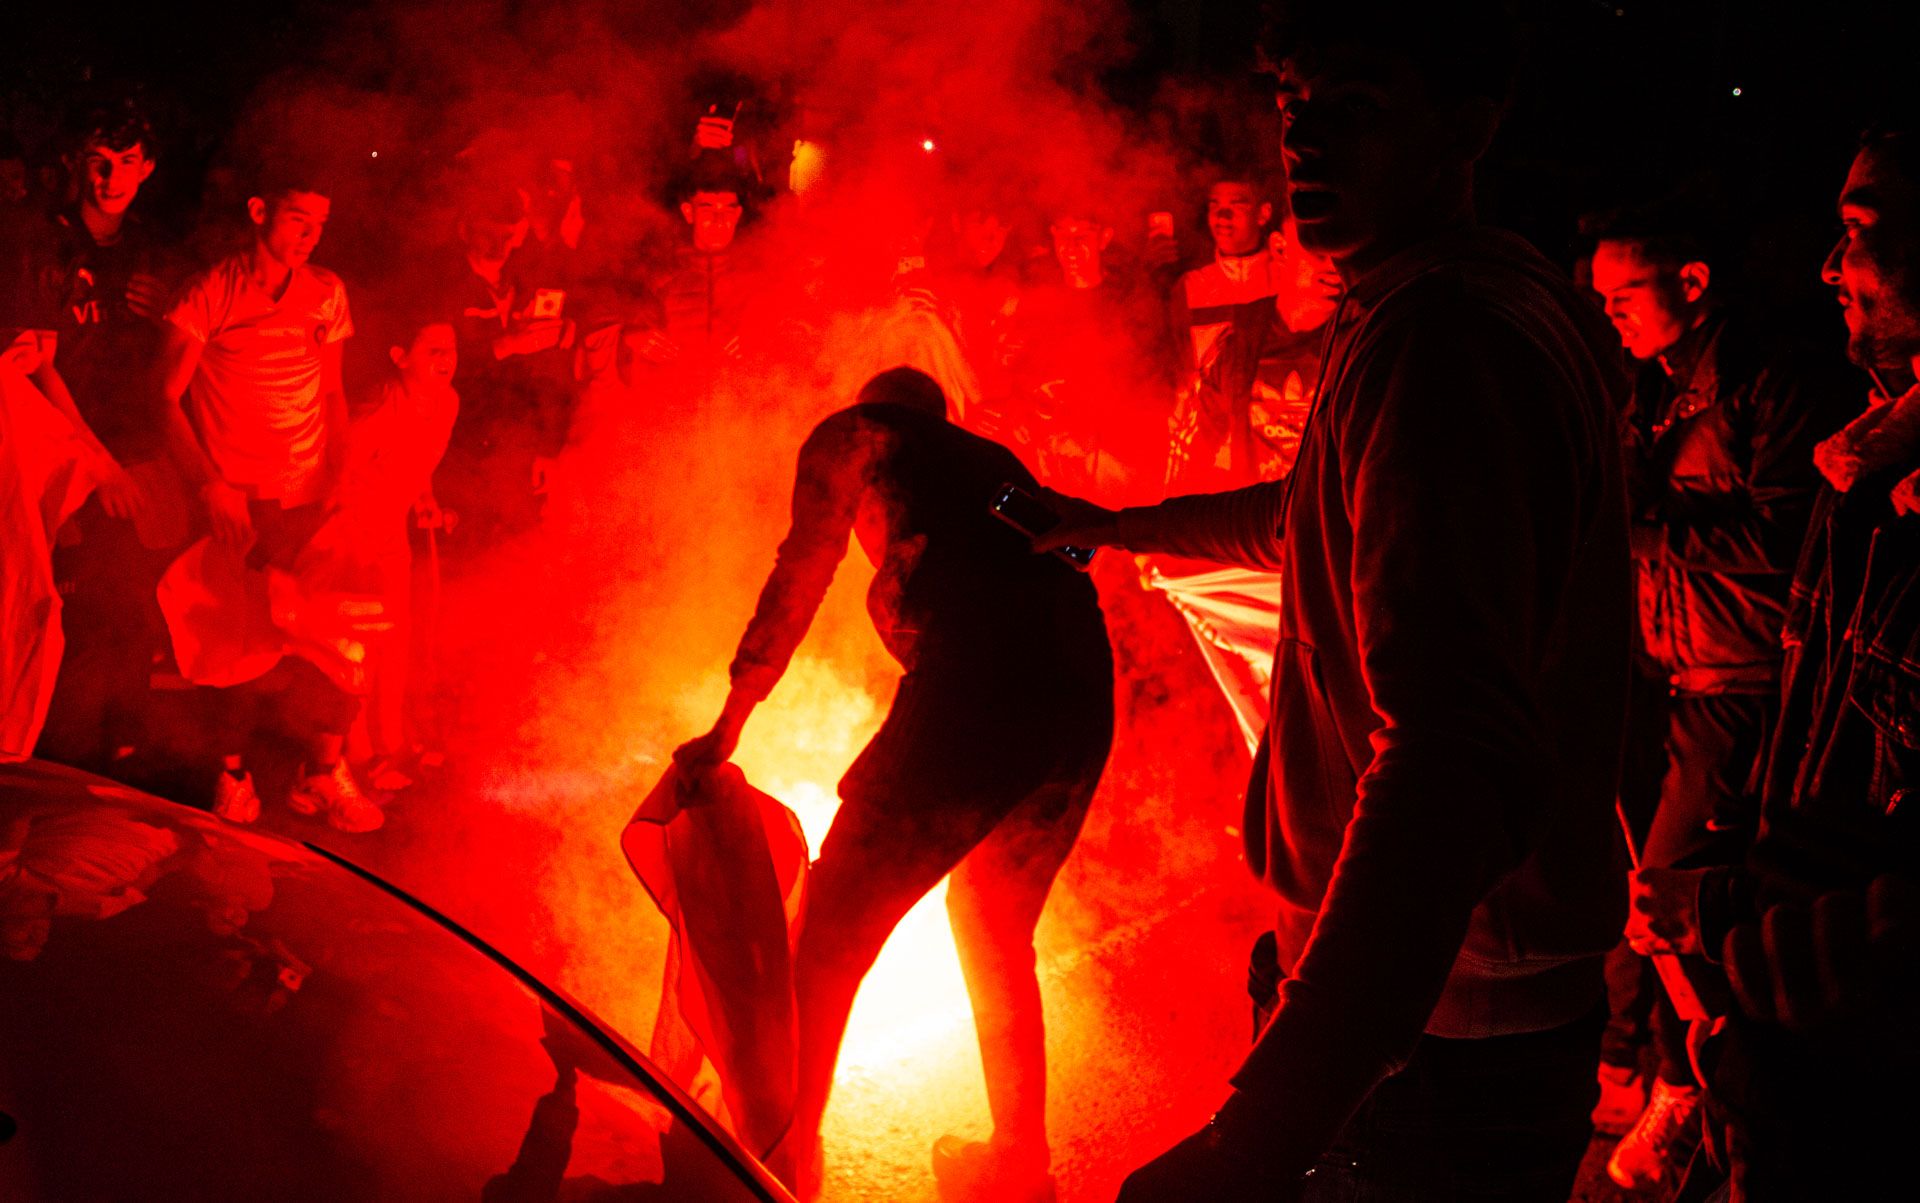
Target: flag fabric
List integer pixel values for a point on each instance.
(726, 864)
(1234, 614)
(44, 478)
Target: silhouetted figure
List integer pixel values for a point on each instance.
(1434, 800)
(983, 769)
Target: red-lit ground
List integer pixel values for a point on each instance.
(1141, 951)
(589, 660)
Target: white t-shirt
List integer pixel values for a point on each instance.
(255, 398)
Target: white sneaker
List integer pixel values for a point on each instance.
(336, 794)
(234, 798)
(1655, 1151)
(1623, 1097)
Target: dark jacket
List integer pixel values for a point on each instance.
(954, 588)
(1450, 679)
(1837, 804)
(706, 297)
(514, 407)
(1723, 483)
(1804, 1114)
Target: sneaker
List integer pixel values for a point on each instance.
(389, 775)
(1623, 1096)
(1661, 1140)
(336, 794)
(977, 1169)
(234, 798)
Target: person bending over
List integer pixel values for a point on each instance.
(983, 769)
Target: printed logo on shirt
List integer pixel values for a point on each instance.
(81, 305)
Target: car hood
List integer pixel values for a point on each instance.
(196, 1010)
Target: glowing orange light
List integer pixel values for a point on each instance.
(926, 144)
(808, 167)
(796, 747)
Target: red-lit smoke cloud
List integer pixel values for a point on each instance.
(598, 644)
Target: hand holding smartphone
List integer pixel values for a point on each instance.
(1030, 516)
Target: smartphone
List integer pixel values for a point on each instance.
(1030, 516)
(547, 303)
(1160, 225)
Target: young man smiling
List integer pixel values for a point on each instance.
(102, 275)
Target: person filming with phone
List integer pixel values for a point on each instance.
(983, 769)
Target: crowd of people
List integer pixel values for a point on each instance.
(235, 446)
(1501, 527)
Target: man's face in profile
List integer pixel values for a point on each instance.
(1365, 148)
(290, 225)
(1875, 267)
(490, 240)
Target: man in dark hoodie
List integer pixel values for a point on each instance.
(1434, 797)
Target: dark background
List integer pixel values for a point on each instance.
(1619, 100)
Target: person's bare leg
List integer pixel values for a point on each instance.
(994, 902)
(323, 752)
(873, 867)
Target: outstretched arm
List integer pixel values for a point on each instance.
(1239, 527)
(835, 464)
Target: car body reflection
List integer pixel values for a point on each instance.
(194, 1010)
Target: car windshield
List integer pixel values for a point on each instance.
(194, 1010)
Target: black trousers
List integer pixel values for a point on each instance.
(1498, 1120)
(1701, 816)
(938, 792)
(113, 627)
